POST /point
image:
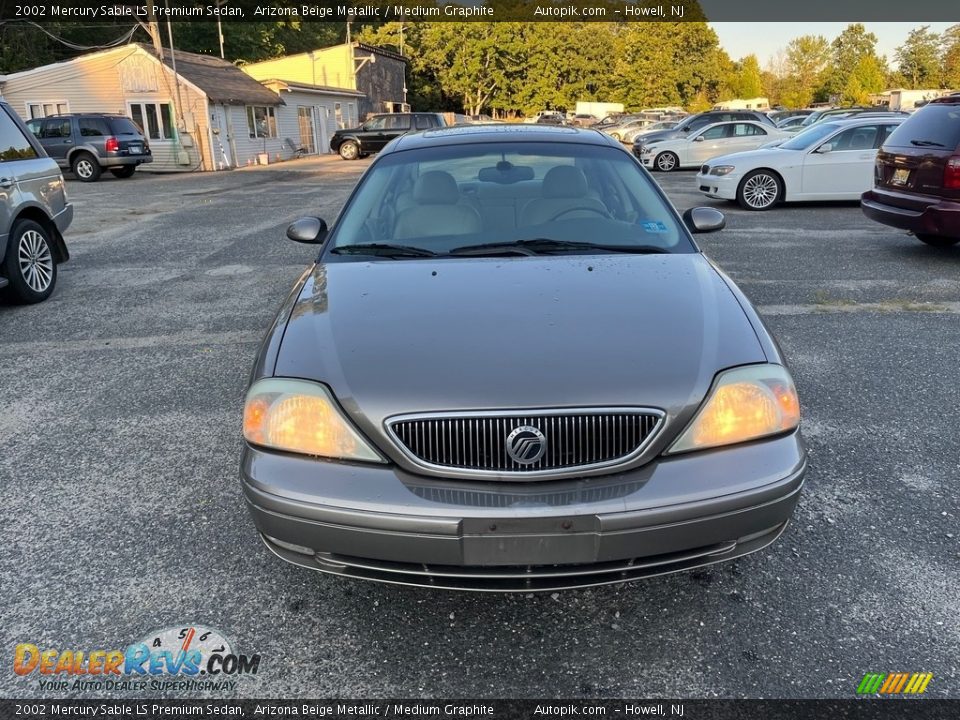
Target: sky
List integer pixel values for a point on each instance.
(764, 39)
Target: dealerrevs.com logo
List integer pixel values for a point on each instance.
(185, 658)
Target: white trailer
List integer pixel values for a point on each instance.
(598, 109)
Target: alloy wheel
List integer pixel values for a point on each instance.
(666, 162)
(84, 169)
(35, 261)
(760, 191)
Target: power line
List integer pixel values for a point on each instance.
(122, 40)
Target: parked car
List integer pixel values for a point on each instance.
(504, 460)
(619, 131)
(34, 213)
(693, 123)
(377, 131)
(917, 175)
(608, 120)
(837, 112)
(89, 143)
(551, 119)
(829, 161)
(583, 120)
(631, 135)
(702, 145)
(792, 121)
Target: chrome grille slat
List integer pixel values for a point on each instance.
(475, 442)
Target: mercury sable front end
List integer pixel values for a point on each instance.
(512, 369)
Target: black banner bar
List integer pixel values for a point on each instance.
(872, 708)
(372, 11)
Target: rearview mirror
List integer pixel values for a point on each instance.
(825, 148)
(704, 220)
(698, 138)
(309, 230)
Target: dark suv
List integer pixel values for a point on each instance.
(378, 130)
(34, 214)
(696, 122)
(87, 144)
(917, 175)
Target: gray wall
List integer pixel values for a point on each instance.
(380, 81)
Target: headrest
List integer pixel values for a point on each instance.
(436, 188)
(564, 181)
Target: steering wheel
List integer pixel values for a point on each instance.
(602, 213)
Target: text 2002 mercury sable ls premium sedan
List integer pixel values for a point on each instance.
(512, 369)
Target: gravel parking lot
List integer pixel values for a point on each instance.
(120, 404)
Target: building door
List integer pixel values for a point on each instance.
(323, 127)
(307, 139)
(221, 138)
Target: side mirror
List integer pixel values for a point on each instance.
(309, 230)
(698, 138)
(704, 220)
(825, 148)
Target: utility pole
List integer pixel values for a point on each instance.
(153, 30)
(220, 3)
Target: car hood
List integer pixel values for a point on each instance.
(660, 135)
(394, 337)
(751, 158)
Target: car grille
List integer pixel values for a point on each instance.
(477, 443)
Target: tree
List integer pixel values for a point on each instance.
(951, 57)
(854, 65)
(806, 58)
(746, 79)
(919, 58)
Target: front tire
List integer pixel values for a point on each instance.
(29, 264)
(349, 150)
(760, 190)
(937, 240)
(666, 161)
(124, 171)
(85, 167)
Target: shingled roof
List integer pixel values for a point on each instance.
(221, 81)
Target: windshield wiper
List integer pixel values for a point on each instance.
(383, 249)
(547, 246)
(926, 143)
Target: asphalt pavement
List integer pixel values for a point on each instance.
(120, 407)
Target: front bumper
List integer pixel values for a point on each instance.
(921, 214)
(381, 523)
(723, 187)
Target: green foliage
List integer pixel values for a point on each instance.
(951, 57)
(919, 58)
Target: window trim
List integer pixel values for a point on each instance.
(253, 131)
(42, 103)
(158, 104)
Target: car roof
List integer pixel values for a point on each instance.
(861, 120)
(507, 133)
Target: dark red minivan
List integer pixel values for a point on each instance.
(917, 175)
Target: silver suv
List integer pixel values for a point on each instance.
(89, 143)
(34, 213)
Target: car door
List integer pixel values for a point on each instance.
(397, 125)
(707, 144)
(56, 136)
(841, 167)
(746, 136)
(373, 134)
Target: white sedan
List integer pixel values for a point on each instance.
(717, 139)
(828, 161)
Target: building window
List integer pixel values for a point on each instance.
(261, 121)
(155, 119)
(44, 108)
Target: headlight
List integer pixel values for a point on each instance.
(745, 403)
(722, 170)
(648, 149)
(301, 417)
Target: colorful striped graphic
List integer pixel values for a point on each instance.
(894, 683)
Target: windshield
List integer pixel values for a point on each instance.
(810, 137)
(435, 200)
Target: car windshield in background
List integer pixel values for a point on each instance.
(935, 126)
(528, 198)
(810, 137)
